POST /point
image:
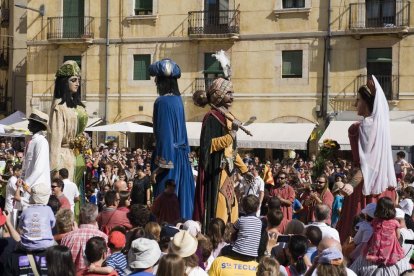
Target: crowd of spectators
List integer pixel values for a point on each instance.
(286, 226)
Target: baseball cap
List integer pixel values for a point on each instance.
(117, 239)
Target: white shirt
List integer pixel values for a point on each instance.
(10, 191)
(327, 231)
(407, 206)
(255, 188)
(407, 234)
(36, 168)
(195, 271)
(398, 165)
(70, 190)
(364, 232)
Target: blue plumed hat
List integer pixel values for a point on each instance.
(166, 68)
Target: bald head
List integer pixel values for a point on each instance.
(329, 243)
(322, 212)
(120, 186)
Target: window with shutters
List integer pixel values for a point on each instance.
(379, 64)
(292, 6)
(212, 67)
(143, 7)
(292, 64)
(141, 63)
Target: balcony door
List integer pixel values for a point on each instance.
(73, 17)
(380, 13)
(216, 16)
(379, 64)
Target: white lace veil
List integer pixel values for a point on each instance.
(374, 146)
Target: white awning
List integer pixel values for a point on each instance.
(122, 127)
(402, 133)
(16, 117)
(265, 135)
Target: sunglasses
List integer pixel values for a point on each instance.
(53, 187)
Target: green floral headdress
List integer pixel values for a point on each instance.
(69, 68)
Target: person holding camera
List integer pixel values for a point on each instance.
(317, 194)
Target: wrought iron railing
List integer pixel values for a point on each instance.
(346, 101)
(389, 84)
(202, 84)
(379, 14)
(214, 22)
(70, 27)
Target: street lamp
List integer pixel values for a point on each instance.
(41, 9)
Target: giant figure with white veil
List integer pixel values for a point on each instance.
(374, 175)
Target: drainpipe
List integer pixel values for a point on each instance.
(326, 67)
(107, 64)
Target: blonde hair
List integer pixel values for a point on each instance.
(268, 267)
(64, 221)
(153, 229)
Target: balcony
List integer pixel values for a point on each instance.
(345, 101)
(377, 17)
(214, 24)
(390, 85)
(202, 84)
(70, 29)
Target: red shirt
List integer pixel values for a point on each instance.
(166, 208)
(309, 204)
(85, 272)
(287, 193)
(64, 202)
(113, 217)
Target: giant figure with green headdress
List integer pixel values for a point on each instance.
(68, 119)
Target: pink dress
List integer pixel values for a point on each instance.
(383, 247)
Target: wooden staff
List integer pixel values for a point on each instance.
(225, 114)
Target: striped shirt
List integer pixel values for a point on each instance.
(118, 262)
(248, 236)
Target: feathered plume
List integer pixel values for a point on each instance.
(224, 60)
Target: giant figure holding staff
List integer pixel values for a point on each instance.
(215, 196)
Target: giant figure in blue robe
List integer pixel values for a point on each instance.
(171, 155)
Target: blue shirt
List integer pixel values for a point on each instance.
(296, 206)
(336, 206)
(117, 261)
(312, 252)
(143, 273)
(36, 223)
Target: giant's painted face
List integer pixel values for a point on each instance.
(74, 83)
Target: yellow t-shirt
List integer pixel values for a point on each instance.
(224, 266)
